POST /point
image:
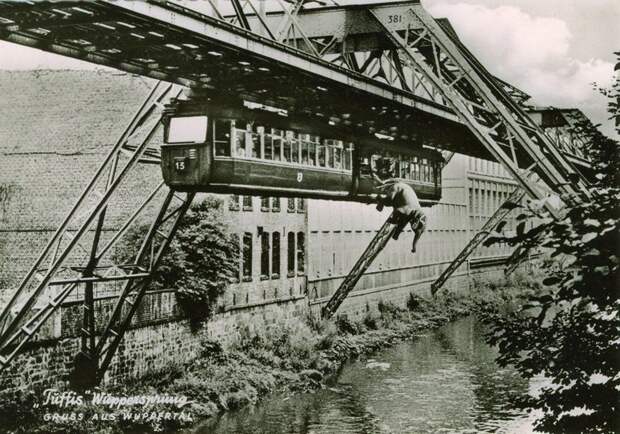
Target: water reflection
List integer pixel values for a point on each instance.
(443, 382)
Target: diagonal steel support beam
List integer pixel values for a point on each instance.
(515, 197)
(389, 228)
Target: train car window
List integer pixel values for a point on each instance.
(253, 141)
(290, 253)
(221, 138)
(275, 255)
(287, 147)
(365, 166)
(290, 206)
(275, 204)
(305, 149)
(314, 142)
(301, 205)
(260, 137)
(268, 146)
(264, 255)
(251, 144)
(405, 172)
(277, 144)
(395, 166)
(329, 153)
(337, 155)
(187, 129)
(320, 155)
(348, 156)
(301, 252)
(238, 141)
(415, 169)
(295, 142)
(426, 177)
(246, 266)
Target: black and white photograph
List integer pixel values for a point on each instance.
(309, 216)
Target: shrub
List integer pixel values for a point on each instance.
(414, 302)
(201, 260)
(371, 321)
(345, 325)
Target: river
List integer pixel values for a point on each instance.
(445, 381)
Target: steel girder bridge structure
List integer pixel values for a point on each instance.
(386, 68)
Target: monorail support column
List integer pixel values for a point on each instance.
(55, 275)
(389, 228)
(154, 245)
(515, 198)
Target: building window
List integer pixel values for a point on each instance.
(291, 254)
(264, 255)
(247, 203)
(301, 205)
(264, 204)
(275, 204)
(233, 204)
(275, 255)
(236, 239)
(290, 204)
(246, 265)
(301, 252)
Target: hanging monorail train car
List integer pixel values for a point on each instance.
(230, 151)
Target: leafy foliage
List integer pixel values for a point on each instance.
(568, 331)
(201, 260)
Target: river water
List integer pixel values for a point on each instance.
(445, 381)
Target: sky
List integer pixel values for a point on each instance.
(554, 50)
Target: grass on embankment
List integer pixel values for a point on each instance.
(296, 355)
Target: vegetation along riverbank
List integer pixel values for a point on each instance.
(294, 356)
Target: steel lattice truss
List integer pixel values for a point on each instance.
(385, 68)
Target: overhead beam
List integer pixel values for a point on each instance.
(351, 26)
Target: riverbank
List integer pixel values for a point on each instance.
(293, 356)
